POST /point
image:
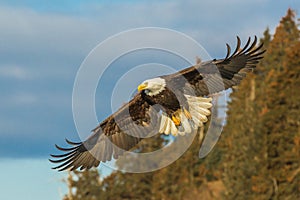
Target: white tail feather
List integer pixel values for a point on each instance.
(163, 123)
(199, 110)
(174, 130)
(168, 127)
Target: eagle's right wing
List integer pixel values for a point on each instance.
(118, 133)
(217, 75)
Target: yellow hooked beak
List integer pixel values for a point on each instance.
(142, 86)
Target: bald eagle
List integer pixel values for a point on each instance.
(170, 104)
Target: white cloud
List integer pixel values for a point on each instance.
(26, 31)
(14, 72)
(29, 32)
(19, 99)
(24, 99)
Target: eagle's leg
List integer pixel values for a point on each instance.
(176, 118)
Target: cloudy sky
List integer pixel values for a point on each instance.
(42, 45)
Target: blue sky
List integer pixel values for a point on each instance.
(42, 45)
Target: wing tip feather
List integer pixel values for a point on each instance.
(248, 49)
(67, 159)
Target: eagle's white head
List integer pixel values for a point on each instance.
(152, 86)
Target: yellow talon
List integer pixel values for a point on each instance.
(176, 120)
(187, 114)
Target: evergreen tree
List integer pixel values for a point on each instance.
(283, 101)
(83, 185)
(263, 143)
(242, 148)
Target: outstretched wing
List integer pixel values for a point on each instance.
(118, 133)
(217, 75)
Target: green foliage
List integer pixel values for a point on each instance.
(257, 156)
(83, 185)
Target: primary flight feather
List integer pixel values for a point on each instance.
(171, 104)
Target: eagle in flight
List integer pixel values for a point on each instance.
(178, 103)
